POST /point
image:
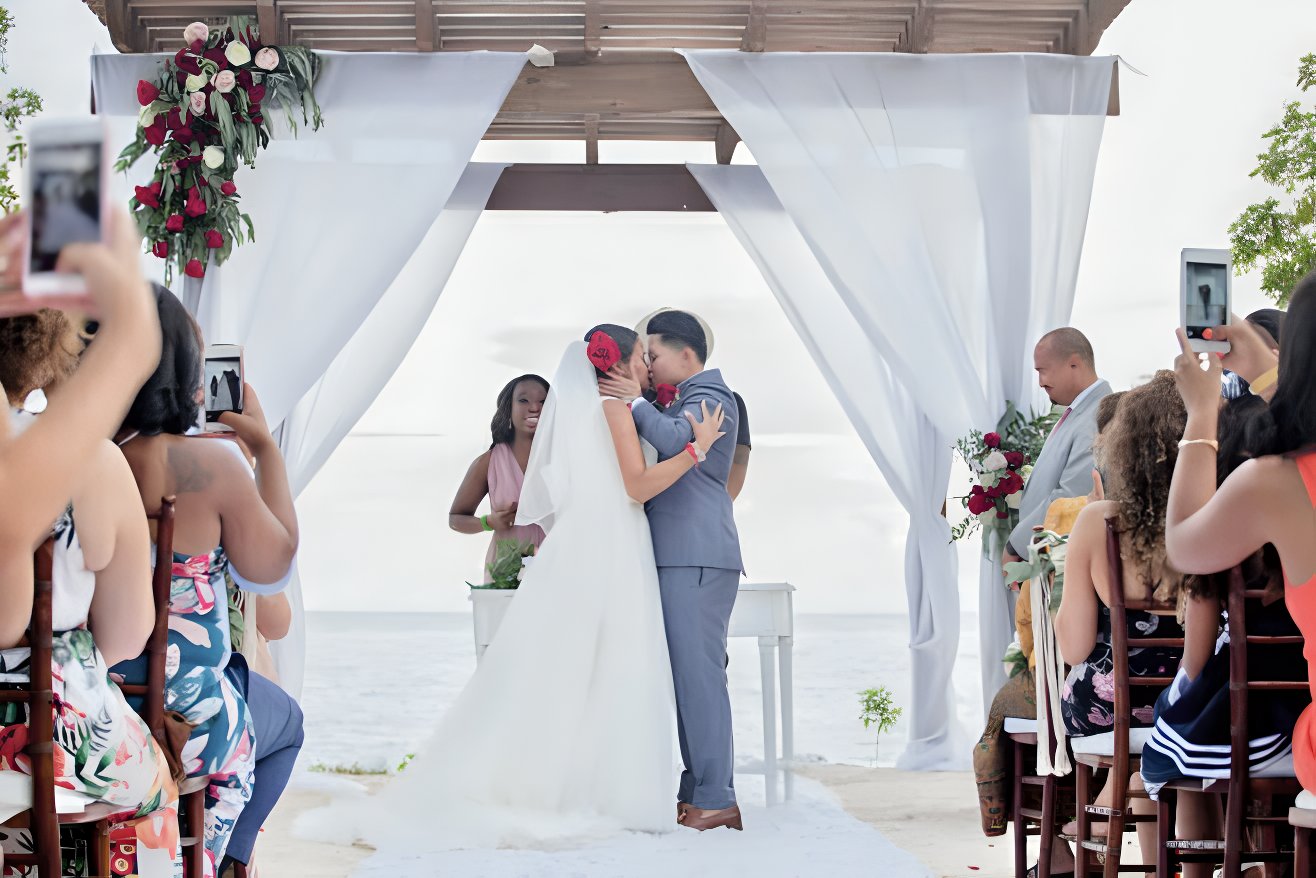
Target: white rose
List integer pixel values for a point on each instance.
(197, 30)
(212, 156)
(146, 117)
(1015, 500)
(267, 58)
(993, 461)
(1025, 471)
(196, 81)
(237, 53)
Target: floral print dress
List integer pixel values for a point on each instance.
(103, 750)
(222, 742)
(1088, 699)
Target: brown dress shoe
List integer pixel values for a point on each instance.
(729, 817)
(681, 809)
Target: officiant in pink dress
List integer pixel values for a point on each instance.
(497, 474)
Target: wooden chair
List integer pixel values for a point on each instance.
(1240, 789)
(1121, 761)
(1303, 821)
(1041, 822)
(39, 696)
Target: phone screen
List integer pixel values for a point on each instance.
(66, 199)
(1207, 303)
(223, 386)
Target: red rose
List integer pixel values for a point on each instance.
(228, 188)
(155, 133)
(148, 196)
(174, 119)
(992, 440)
(217, 55)
(194, 268)
(197, 46)
(257, 119)
(256, 94)
(1014, 459)
(174, 223)
(161, 249)
(603, 351)
(979, 503)
(666, 394)
(214, 240)
(187, 63)
(245, 78)
(1010, 483)
(146, 92)
(184, 135)
(195, 206)
(1002, 513)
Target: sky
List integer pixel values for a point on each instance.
(1200, 86)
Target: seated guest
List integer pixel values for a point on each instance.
(497, 473)
(1270, 499)
(102, 603)
(1138, 454)
(1018, 697)
(223, 517)
(1192, 733)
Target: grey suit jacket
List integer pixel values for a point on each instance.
(1063, 469)
(692, 522)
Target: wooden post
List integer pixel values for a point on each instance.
(755, 38)
(592, 138)
(267, 20)
(592, 29)
(427, 38)
(724, 145)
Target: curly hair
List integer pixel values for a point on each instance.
(1140, 451)
(34, 353)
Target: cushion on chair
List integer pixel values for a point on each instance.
(1018, 725)
(16, 796)
(1104, 745)
(1306, 800)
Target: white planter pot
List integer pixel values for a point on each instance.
(488, 605)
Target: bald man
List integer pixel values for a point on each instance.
(1067, 371)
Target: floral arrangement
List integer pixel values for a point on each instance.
(511, 557)
(1000, 463)
(201, 117)
(603, 351)
(666, 394)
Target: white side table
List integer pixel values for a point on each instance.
(763, 610)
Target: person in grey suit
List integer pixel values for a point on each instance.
(1067, 371)
(697, 550)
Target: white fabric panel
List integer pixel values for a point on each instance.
(896, 434)
(945, 198)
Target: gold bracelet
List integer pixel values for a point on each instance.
(1265, 381)
(1215, 446)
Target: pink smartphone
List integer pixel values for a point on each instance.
(67, 202)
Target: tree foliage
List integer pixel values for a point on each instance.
(17, 104)
(1279, 234)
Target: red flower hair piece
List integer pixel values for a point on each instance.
(603, 351)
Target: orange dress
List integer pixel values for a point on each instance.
(1301, 601)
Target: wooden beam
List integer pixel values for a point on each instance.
(664, 88)
(605, 188)
(724, 144)
(755, 38)
(267, 21)
(917, 37)
(592, 139)
(118, 19)
(426, 32)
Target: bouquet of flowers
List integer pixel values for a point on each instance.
(1000, 463)
(201, 117)
(511, 557)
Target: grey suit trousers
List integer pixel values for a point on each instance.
(697, 604)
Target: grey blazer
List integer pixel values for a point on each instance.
(1063, 469)
(691, 522)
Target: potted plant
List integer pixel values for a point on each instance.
(877, 708)
(490, 600)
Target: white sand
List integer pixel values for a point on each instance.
(895, 824)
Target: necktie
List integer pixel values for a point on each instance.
(1062, 419)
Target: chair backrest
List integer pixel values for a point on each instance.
(157, 647)
(1241, 685)
(39, 696)
(1119, 643)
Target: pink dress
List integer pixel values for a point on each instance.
(505, 477)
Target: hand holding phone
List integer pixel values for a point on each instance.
(224, 380)
(1205, 297)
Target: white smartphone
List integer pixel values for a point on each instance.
(1206, 296)
(224, 377)
(66, 197)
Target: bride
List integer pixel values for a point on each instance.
(565, 730)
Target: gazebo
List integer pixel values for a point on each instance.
(895, 116)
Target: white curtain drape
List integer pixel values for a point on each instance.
(945, 199)
(891, 426)
(339, 213)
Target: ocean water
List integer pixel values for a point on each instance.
(376, 684)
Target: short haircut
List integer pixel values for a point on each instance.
(1067, 342)
(678, 330)
(1106, 410)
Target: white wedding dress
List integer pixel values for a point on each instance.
(565, 730)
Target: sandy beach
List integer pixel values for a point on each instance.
(933, 816)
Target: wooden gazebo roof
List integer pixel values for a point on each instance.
(616, 76)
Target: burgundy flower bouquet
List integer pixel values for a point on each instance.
(201, 117)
